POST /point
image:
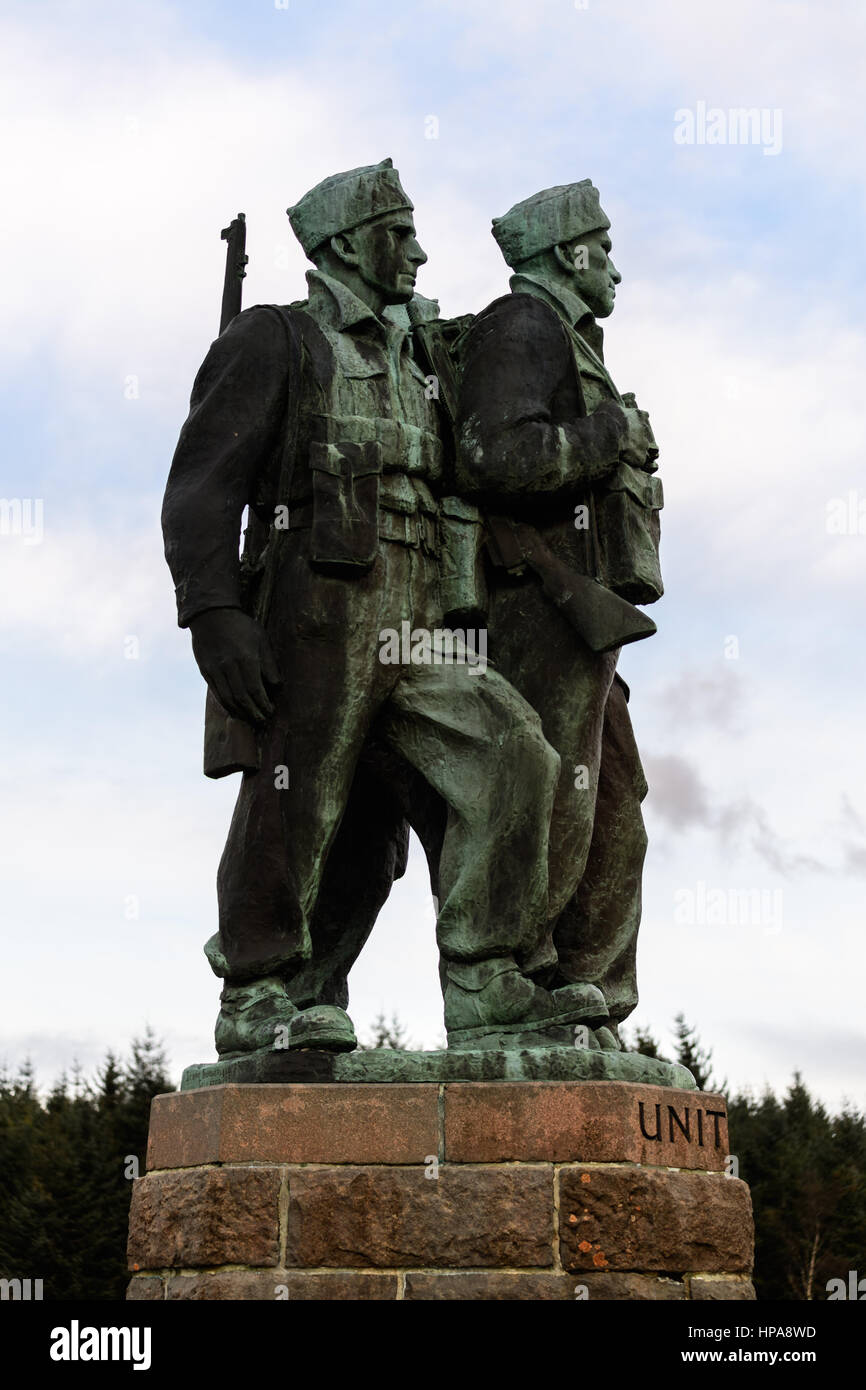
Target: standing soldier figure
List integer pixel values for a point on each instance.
(317, 417)
(563, 466)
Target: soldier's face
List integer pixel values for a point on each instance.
(388, 256)
(596, 276)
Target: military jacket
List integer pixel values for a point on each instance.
(318, 410)
(537, 443)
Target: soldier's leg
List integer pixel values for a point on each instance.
(288, 814)
(568, 685)
(481, 748)
(368, 854)
(420, 806)
(596, 935)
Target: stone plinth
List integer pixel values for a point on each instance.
(461, 1190)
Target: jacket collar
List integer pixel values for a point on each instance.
(335, 304)
(568, 305)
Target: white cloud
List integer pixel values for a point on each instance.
(87, 587)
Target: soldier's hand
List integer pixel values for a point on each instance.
(640, 448)
(235, 658)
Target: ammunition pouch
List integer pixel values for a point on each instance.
(463, 589)
(627, 507)
(348, 456)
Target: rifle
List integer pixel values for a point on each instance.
(230, 745)
(236, 261)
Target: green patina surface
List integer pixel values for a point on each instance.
(388, 1066)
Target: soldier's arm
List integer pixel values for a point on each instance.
(513, 443)
(233, 431)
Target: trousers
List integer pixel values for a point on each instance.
(473, 739)
(597, 836)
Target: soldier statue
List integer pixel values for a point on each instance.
(318, 418)
(564, 467)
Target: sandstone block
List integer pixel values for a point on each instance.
(632, 1288)
(281, 1285)
(726, 1289)
(584, 1121)
(145, 1286)
(206, 1216)
(393, 1217)
(624, 1218)
(492, 1285)
(294, 1124)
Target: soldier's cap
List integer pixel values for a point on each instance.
(547, 218)
(344, 201)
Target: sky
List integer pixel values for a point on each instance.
(132, 135)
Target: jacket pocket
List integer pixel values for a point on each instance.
(344, 534)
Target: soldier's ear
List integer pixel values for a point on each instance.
(342, 247)
(564, 254)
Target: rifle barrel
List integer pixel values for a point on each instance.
(235, 236)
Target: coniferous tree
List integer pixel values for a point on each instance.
(65, 1176)
(689, 1053)
(643, 1042)
(386, 1034)
(143, 1077)
(24, 1197)
(807, 1176)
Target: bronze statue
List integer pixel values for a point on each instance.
(564, 467)
(318, 418)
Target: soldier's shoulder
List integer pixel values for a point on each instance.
(527, 325)
(266, 320)
(518, 308)
(271, 333)
(256, 327)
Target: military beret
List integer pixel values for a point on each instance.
(548, 218)
(343, 201)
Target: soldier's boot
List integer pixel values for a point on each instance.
(323, 1026)
(253, 1016)
(490, 1003)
